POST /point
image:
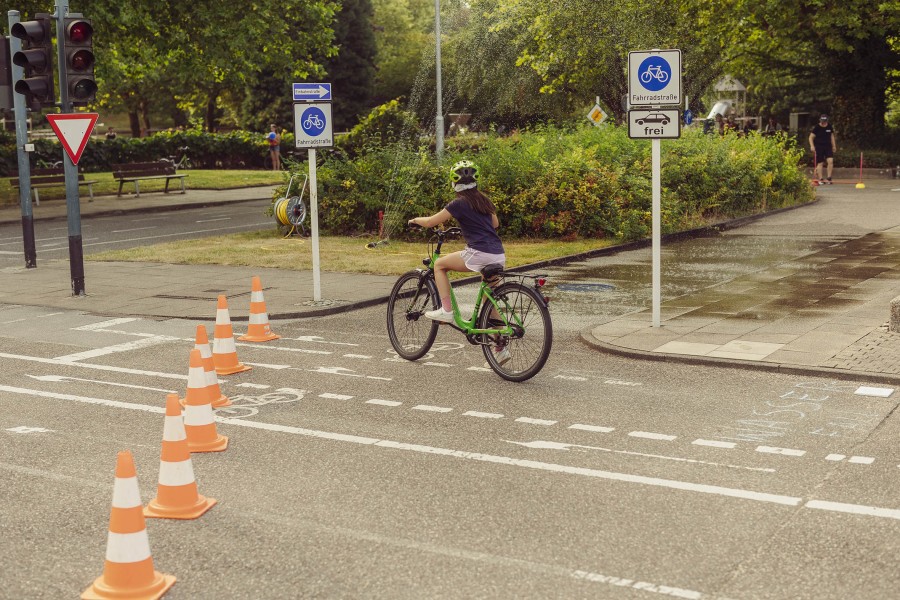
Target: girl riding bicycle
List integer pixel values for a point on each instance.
(477, 218)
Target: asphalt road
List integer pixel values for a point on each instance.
(352, 474)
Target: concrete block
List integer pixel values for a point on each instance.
(895, 315)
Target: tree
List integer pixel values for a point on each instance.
(403, 33)
(840, 57)
(352, 70)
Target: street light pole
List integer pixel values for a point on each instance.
(439, 119)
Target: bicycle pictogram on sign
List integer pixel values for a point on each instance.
(313, 121)
(654, 73)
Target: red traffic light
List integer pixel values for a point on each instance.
(81, 60)
(79, 32)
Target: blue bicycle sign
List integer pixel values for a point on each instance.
(654, 73)
(313, 121)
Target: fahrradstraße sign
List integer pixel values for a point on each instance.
(312, 125)
(654, 78)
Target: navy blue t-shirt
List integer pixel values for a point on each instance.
(477, 228)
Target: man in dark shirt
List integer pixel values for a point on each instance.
(823, 142)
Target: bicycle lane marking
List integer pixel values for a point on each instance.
(507, 461)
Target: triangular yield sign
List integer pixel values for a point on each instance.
(73, 131)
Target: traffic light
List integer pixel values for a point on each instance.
(79, 50)
(35, 58)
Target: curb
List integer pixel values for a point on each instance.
(589, 340)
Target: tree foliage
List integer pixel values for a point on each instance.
(352, 70)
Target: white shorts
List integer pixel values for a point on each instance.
(476, 260)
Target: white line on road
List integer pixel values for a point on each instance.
(104, 324)
(135, 229)
(56, 362)
(861, 460)
(784, 451)
(126, 347)
(482, 415)
(652, 436)
(428, 407)
(502, 460)
(594, 428)
(383, 402)
(283, 349)
(531, 421)
(714, 443)
(335, 396)
(362, 356)
(60, 378)
(256, 386)
(213, 220)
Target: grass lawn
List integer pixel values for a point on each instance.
(197, 179)
(268, 249)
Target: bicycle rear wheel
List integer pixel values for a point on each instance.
(529, 346)
(410, 332)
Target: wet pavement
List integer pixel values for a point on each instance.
(806, 290)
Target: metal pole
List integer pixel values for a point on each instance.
(314, 222)
(439, 119)
(15, 45)
(73, 203)
(657, 228)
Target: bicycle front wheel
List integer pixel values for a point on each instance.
(529, 346)
(410, 331)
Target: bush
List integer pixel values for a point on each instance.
(575, 182)
(385, 125)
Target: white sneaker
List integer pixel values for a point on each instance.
(440, 315)
(502, 355)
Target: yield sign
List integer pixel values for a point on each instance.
(73, 131)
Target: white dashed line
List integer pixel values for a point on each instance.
(784, 451)
(594, 428)
(255, 386)
(535, 421)
(836, 457)
(482, 415)
(478, 369)
(652, 436)
(570, 377)
(437, 364)
(440, 409)
(362, 356)
(714, 443)
(335, 396)
(861, 460)
(383, 402)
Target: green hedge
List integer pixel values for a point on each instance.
(234, 150)
(555, 182)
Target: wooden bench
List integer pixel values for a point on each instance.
(45, 178)
(138, 172)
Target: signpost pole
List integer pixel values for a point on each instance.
(24, 165)
(439, 119)
(314, 222)
(657, 228)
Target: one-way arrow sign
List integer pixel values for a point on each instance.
(312, 91)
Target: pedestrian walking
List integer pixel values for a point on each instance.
(823, 142)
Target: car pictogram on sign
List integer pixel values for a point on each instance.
(653, 118)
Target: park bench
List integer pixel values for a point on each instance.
(138, 172)
(50, 177)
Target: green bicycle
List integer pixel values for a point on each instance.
(511, 315)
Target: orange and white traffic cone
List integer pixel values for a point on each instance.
(224, 351)
(258, 329)
(176, 495)
(217, 398)
(128, 572)
(199, 421)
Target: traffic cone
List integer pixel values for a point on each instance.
(199, 422)
(128, 572)
(224, 351)
(176, 494)
(258, 330)
(218, 399)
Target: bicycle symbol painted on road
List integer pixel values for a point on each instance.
(654, 73)
(313, 121)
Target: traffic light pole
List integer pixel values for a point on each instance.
(24, 165)
(73, 203)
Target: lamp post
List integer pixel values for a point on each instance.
(439, 119)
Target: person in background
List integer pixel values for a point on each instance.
(823, 142)
(274, 139)
(720, 124)
(111, 133)
(772, 127)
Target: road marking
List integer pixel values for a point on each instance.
(482, 415)
(652, 436)
(213, 220)
(283, 349)
(104, 324)
(61, 378)
(27, 429)
(268, 366)
(56, 362)
(531, 421)
(257, 386)
(349, 373)
(335, 396)
(570, 377)
(673, 484)
(784, 451)
(835, 457)
(13, 321)
(185, 234)
(546, 445)
(362, 356)
(874, 391)
(479, 369)
(861, 460)
(383, 402)
(594, 428)
(319, 340)
(714, 443)
(440, 409)
(125, 347)
(52, 314)
(135, 229)
(431, 364)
